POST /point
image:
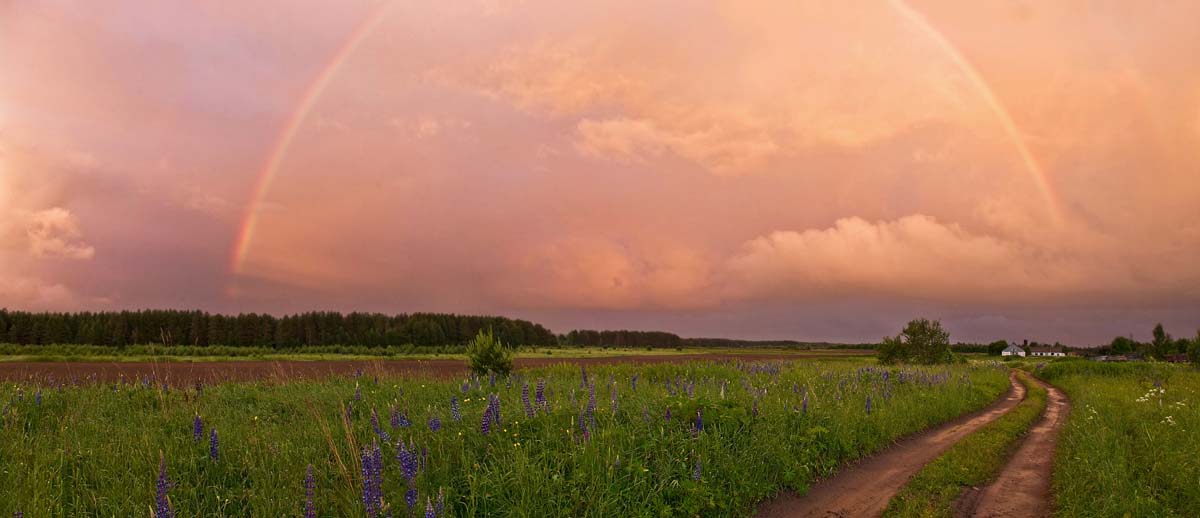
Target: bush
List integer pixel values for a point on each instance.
(488, 355)
(922, 341)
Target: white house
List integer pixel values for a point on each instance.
(1012, 350)
(1046, 351)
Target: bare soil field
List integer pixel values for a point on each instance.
(181, 373)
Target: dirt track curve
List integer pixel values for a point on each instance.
(864, 489)
(1023, 488)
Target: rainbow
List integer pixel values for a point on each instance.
(270, 169)
(1040, 180)
(317, 87)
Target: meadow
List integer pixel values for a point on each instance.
(699, 438)
(1131, 446)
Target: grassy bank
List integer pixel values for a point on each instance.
(737, 433)
(974, 461)
(1129, 447)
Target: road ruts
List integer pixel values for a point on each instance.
(864, 489)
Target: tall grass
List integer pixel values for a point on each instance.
(1131, 446)
(95, 450)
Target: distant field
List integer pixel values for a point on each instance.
(150, 353)
(662, 439)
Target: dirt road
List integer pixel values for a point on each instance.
(1023, 487)
(864, 489)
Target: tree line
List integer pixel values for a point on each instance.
(197, 328)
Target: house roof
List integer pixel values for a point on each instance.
(1041, 349)
(1013, 348)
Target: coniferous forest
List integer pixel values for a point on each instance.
(197, 328)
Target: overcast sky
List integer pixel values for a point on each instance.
(766, 169)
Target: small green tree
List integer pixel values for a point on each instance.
(1194, 350)
(488, 354)
(1161, 345)
(922, 341)
(997, 347)
(1122, 345)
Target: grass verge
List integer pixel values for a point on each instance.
(972, 462)
(1129, 447)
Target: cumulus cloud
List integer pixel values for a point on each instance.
(55, 233)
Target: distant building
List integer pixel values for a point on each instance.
(1013, 350)
(1047, 351)
(1178, 358)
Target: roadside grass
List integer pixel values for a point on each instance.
(1131, 446)
(95, 450)
(159, 353)
(973, 461)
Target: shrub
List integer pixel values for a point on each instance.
(922, 341)
(488, 354)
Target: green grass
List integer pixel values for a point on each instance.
(1129, 447)
(973, 461)
(95, 450)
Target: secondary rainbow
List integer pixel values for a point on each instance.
(1041, 182)
(283, 141)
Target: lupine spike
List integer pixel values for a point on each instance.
(310, 511)
(197, 429)
(162, 500)
(214, 444)
(454, 413)
(696, 470)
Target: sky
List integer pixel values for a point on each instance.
(770, 169)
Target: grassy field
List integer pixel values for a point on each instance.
(1131, 446)
(159, 353)
(604, 446)
(972, 462)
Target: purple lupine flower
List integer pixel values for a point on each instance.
(162, 502)
(214, 445)
(401, 418)
(37, 398)
(540, 397)
(667, 416)
(383, 436)
(486, 425)
(310, 511)
(197, 429)
(525, 400)
(454, 409)
(696, 470)
(804, 403)
(357, 392)
(410, 497)
(368, 491)
(407, 461)
(377, 466)
(584, 433)
(698, 426)
(18, 514)
(633, 382)
(466, 386)
(868, 405)
(429, 509)
(440, 506)
(494, 404)
(435, 424)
